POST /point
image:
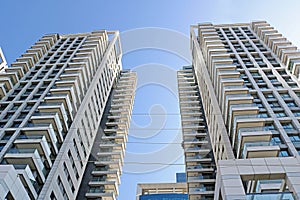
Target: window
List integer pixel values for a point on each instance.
(259, 80)
(290, 104)
(282, 72)
(2, 146)
(68, 177)
(2, 124)
(280, 114)
(276, 140)
(297, 113)
(274, 105)
(8, 115)
(52, 196)
(93, 189)
(62, 188)
(294, 138)
(7, 135)
(77, 153)
(73, 164)
(273, 80)
(285, 95)
(287, 125)
(15, 107)
(283, 154)
(3, 106)
(16, 124)
(269, 96)
(22, 115)
(263, 115)
(269, 126)
(29, 106)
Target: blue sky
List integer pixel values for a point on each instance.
(155, 114)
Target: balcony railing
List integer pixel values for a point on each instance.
(269, 196)
(257, 144)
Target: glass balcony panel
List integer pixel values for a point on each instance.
(270, 196)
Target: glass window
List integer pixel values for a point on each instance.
(280, 114)
(283, 154)
(287, 125)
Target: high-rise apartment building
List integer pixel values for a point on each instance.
(3, 63)
(165, 191)
(65, 110)
(199, 160)
(247, 77)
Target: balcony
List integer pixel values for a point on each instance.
(194, 133)
(116, 111)
(12, 75)
(234, 101)
(113, 164)
(107, 183)
(19, 70)
(232, 90)
(196, 157)
(260, 150)
(115, 124)
(201, 189)
(113, 141)
(199, 167)
(113, 154)
(24, 65)
(114, 138)
(61, 98)
(49, 118)
(7, 82)
(190, 107)
(2, 90)
(197, 149)
(37, 142)
(41, 130)
(244, 122)
(201, 179)
(30, 157)
(194, 126)
(105, 171)
(269, 196)
(69, 91)
(111, 146)
(247, 135)
(70, 83)
(56, 108)
(196, 141)
(28, 179)
(35, 53)
(101, 193)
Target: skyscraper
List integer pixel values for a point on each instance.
(53, 99)
(199, 160)
(247, 76)
(3, 63)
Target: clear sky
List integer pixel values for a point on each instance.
(155, 41)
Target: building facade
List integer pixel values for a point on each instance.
(3, 63)
(61, 104)
(165, 191)
(199, 160)
(248, 79)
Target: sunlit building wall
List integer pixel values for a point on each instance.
(53, 99)
(248, 78)
(199, 159)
